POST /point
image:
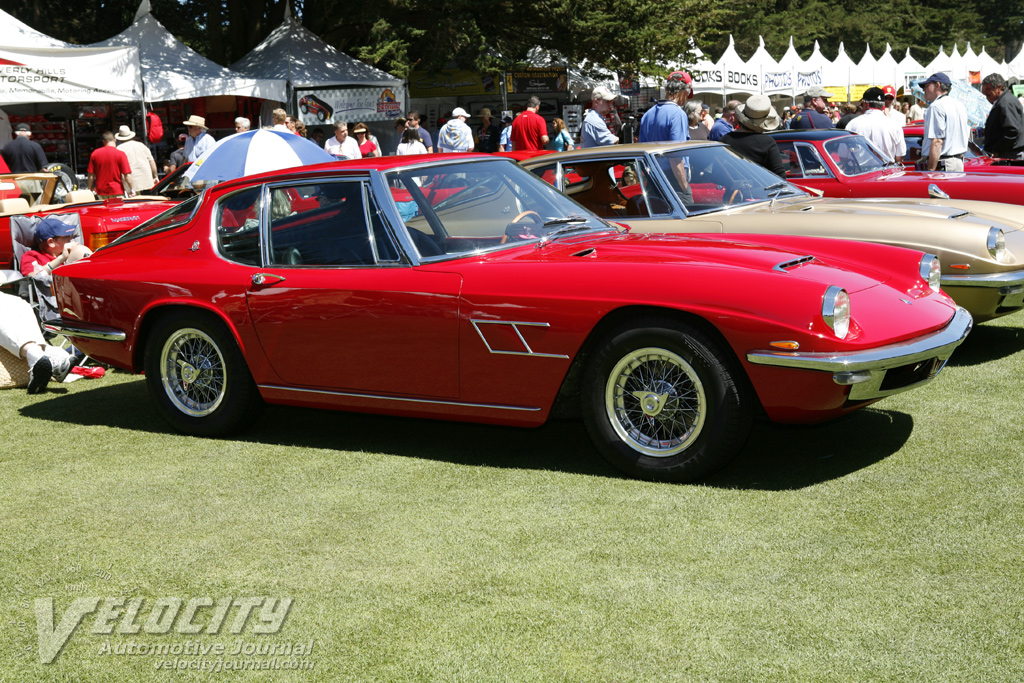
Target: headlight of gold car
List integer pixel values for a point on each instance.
(997, 243)
(931, 271)
(835, 309)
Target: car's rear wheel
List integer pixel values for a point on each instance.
(662, 401)
(198, 376)
(320, 115)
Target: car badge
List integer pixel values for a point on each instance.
(195, 246)
(906, 302)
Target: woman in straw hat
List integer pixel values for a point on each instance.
(756, 116)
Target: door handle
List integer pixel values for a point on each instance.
(260, 279)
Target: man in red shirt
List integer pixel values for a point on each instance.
(529, 129)
(109, 170)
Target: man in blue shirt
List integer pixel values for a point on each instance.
(726, 123)
(813, 114)
(666, 121)
(595, 131)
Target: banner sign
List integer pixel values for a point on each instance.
(777, 81)
(349, 104)
(70, 75)
(629, 84)
(450, 83)
(536, 80)
(742, 81)
(716, 78)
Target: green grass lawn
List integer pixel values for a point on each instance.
(883, 547)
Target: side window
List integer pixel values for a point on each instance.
(321, 224)
(812, 163)
(384, 245)
(547, 173)
(238, 226)
(643, 197)
(790, 160)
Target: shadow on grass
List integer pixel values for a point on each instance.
(775, 457)
(987, 343)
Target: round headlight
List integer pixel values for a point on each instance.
(931, 271)
(996, 243)
(835, 309)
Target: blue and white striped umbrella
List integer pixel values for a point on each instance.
(255, 151)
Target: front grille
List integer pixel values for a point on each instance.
(907, 375)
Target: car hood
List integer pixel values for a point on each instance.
(706, 251)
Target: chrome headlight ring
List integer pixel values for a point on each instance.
(996, 243)
(931, 271)
(835, 310)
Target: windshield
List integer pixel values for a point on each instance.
(455, 208)
(713, 178)
(853, 155)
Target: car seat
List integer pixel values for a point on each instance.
(36, 289)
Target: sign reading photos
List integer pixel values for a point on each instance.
(450, 83)
(536, 80)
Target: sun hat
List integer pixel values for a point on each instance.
(195, 121)
(53, 227)
(757, 113)
(484, 112)
(602, 93)
(459, 111)
(124, 133)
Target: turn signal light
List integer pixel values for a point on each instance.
(961, 266)
(787, 345)
(97, 240)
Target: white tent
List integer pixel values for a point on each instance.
(738, 76)
(173, 71)
(987, 65)
(14, 33)
(863, 72)
(295, 54)
(887, 70)
(942, 63)
(837, 74)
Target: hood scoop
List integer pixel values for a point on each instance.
(961, 214)
(586, 252)
(795, 263)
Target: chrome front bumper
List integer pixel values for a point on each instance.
(1010, 285)
(915, 361)
(84, 330)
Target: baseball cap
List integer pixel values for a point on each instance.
(680, 76)
(459, 111)
(875, 95)
(53, 227)
(818, 91)
(602, 93)
(935, 78)
(889, 91)
(22, 126)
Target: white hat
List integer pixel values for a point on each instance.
(602, 93)
(459, 111)
(194, 120)
(124, 133)
(757, 113)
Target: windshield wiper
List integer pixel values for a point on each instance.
(563, 221)
(776, 189)
(568, 225)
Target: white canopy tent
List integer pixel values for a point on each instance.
(173, 71)
(15, 34)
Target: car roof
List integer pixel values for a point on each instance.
(816, 134)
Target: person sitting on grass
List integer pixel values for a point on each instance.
(52, 248)
(20, 335)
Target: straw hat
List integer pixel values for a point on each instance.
(124, 133)
(757, 113)
(13, 371)
(195, 121)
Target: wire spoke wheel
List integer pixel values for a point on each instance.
(193, 372)
(655, 401)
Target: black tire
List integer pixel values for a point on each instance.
(320, 115)
(662, 401)
(303, 108)
(221, 397)
(67, 181)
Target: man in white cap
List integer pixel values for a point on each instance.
(815, 111)
(594, 132)
(882, 131)
(139, 158)
(455, 135)
(198, 139)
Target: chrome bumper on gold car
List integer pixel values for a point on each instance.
(884, 370)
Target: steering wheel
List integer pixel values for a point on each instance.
(532, 215)
(736, 196)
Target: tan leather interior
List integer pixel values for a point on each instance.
(79, 196)
(13, 206)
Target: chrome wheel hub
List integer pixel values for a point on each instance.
(655, 402)
(192, 372)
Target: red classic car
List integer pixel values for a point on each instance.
(841, 164)
(975, 160)
(467, 289)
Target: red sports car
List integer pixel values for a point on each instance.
(468, 289)
(842, 164)
(975, 160)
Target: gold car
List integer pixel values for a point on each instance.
(707, 187)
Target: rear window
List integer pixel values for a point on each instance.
(174, 217)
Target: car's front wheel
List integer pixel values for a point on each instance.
(198, 376)
(663, 401)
